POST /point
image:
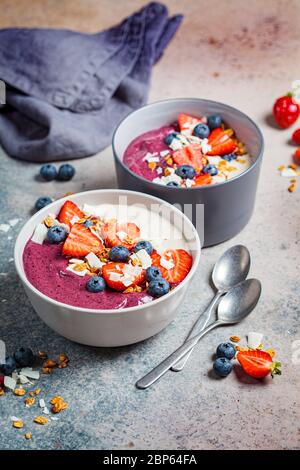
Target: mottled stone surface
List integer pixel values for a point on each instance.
(242, 54)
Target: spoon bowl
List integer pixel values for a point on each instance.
(239, 301)
(231, 268)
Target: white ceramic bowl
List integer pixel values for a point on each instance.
(108, 327)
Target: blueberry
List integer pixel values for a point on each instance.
(158, 287)
(119, 253)
(95, 284)
(48, 172)
(42, 202)
(186, 171)
(173, 184)
(153, 273)
(229, 157)
(210, 169)
(202, 131)
(214, 121)
(88, 223)
(65, 172)
(24, 357)
(226, 350)
(170, 137)
(143, 245)
(56, 234)
(9, 367)
(222, 366)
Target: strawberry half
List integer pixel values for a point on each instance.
(68, 211)
(187, 122)
(81, 242)
(117, 268)
(203, 180)
(220, 142)
(189, 155)
(258, 364)
(182, 261)
(111, 229)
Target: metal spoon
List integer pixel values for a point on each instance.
(230, 269)
(233, 307)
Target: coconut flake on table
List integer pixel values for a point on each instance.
(39, 234)
(288, 173)
(42, 403)
(94, 261)
(9, 382)
(13, 222)
(4, 227)
(29, 372)
(254, 339)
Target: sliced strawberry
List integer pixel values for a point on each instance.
(187, 122)
(68, 211)
(258, 364)
(117, 268)
(189, 155)
(80, 242)
(221, 143)
(203, 180)
(182, 261)
(111, 229)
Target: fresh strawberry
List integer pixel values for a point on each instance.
(203, 180)
(80, 242)
(258, 364)
(220, 142)
(296, 137)
(182, 261)
(118, 285)
(68, 211)
(111, 229)
(296, 157)
(286, 111)
(189, 155)
(187, 122)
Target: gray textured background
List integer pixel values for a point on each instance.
(245, 55)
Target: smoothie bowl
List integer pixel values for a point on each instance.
(107, 267)
(197, 154)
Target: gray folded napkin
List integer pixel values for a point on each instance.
(67, 91)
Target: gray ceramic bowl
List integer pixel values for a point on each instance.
(227, 206)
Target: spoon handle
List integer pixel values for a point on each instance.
(206, 315)
(165, 365)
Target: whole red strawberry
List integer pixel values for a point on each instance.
(286, 111)
(296, 136)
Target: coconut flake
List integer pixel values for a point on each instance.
(176, 144)
(189, 183)
(166, 263)
(288, 173)
(40, 234)
(46, 410)
(23, 379)
(74, 219)
(13, 222)
(159, 170)
(71, 267)
(205, 146)
(94, 261)
(254, 339)
(115, 276)
(144, 258)
(29, 372)
(164, 153)
(76, 261)
(42, 403)
(9, 382)
(213, 160)
(14, 418)
(4, 227)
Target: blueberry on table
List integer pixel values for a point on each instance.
(48, 172)
(9, 367)
(214, 121)
(143, 245)
(153, 273)
(229, 157)
(95, 284)
(202, 131)
(212, 170)
(42, 202)
(119, 253)
(186, 171)
(65, 172)
(222, 366)
(158, 287)
(170, 137)
(226, 350)
(56, 234)
(24, 357)
(172, 184)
